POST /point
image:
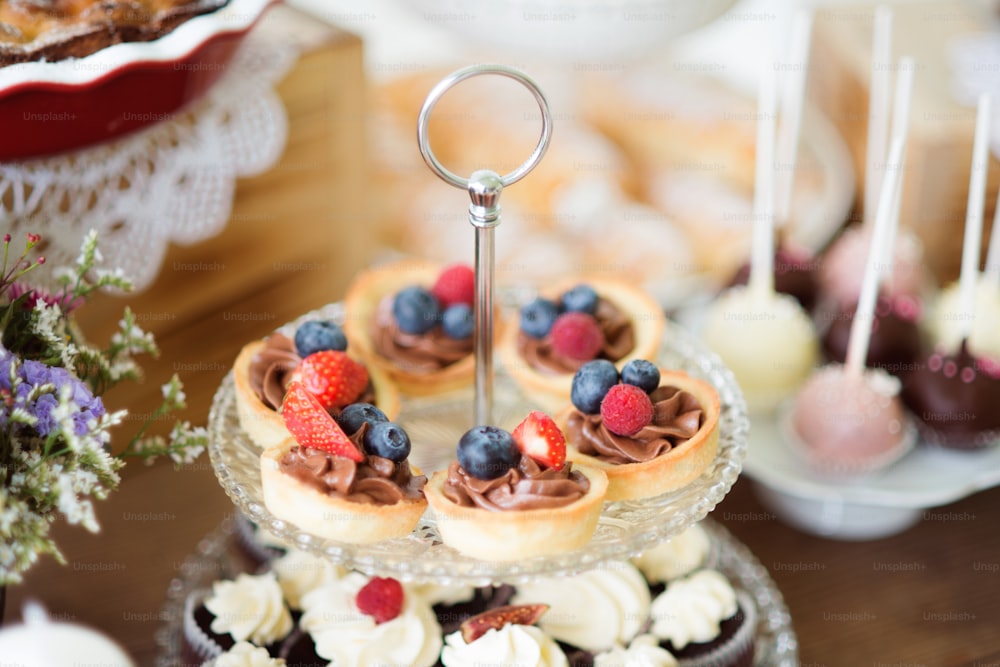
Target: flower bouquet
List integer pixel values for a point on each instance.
(55, 431)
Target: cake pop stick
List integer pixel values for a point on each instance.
(861, 327)
(762, 249)
(791, 115)
(878, 109)
(972, 240)
(900, 128)
(991, 274)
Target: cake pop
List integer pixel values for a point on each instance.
(848, 419)
(794, 275)
(765, 338)
(895, 336)
(955, 395)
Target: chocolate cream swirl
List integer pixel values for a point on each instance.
(677, 416)
(417, 353)
(528, 486)
(619, 339)
(376, 480)
(271, 369)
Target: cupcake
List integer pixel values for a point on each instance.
(510, 496)
(557, 334)
(299, 572)
(503, 636)
(264, 368)
(675, 558)
(704, 622)
(651, 430)
(591, 612)
(359, 621)
(249, 608)
(643, 651)
(455, 604)
(354, 485)
(245, 654)
(413, 320)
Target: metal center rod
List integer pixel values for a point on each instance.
(484, 325)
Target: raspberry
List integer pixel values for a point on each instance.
(576, 336)
(381, 598)
(455, 284)
(626, 409)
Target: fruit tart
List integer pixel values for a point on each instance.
(513, 495)
(317, 355)
(650, 430)
(413, 320)
(559, 333)
(346, 480)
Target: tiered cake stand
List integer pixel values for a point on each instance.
(435, 425)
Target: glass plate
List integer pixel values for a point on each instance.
(625, 528)
(215, 558)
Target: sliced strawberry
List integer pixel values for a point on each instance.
(312, 426)
(494, 619)
(381, 598)
(332, 377)
(539, 438)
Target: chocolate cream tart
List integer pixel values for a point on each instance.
(337, 498)
(261, 374)
(632, 324)
(419, 364)
(665, 455)
(529, 511)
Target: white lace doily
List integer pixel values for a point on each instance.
(170, 182)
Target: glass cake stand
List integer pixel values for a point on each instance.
(435, 425)
(216, 558)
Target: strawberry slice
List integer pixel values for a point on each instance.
(312, 426)
(494, 619)
(539, 438)
(332, 377)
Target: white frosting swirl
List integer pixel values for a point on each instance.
(644, 651)
(249, 608)
(510, 646)
(676, 557)
(434, 594)
(349, 638)
(244, 654)
(300, 572)
(595, 610)
(691, 609)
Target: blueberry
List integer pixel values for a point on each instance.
(457, 321)
(487, 452)
(643, 374)
(591, 383)
(537, 317)
(416, 310)
(354, 415)
(581, 298)
(388, 440)
(319, 335)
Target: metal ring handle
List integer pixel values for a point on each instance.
(458, 76)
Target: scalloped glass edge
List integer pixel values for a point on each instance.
(776, 641)
(625, 528)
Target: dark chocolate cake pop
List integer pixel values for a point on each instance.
(895, 339)
(956, 399)
(794, 275)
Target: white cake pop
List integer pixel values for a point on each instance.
(42, 642)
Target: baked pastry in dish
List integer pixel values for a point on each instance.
(53, 30)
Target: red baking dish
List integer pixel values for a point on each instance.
(54, 107)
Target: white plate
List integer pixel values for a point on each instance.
(869, 507)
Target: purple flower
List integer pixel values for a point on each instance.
(34, 374)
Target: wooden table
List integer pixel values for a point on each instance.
(930, 596)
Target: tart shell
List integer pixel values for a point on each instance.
(552, 390)
(328, 516)
(508, 536)
(266, 426)
(667, 472)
